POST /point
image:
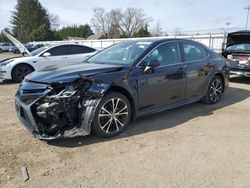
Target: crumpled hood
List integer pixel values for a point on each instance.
(240, 37)
(66, 74)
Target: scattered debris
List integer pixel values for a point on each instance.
(46, 173)
(25, 174)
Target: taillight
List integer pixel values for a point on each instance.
(244, 58)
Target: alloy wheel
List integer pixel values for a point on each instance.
(20, 72)
(113, 115)
(215, 90)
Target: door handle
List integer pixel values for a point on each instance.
(65, 57)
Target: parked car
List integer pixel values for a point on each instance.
(17, 68)
(5, 47)
(117, 85)
(29, 47)
(238, 52)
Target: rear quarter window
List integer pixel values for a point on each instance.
(75, 49)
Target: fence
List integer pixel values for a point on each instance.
(213, 41)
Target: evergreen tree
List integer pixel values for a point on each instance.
(83, 31)
(30, 21)
(142, 32)
(3, 38)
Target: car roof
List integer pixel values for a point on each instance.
(240, 32)
(64, 44)
(160, 40)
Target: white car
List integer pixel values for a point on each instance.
(4, 47)
(64, 54)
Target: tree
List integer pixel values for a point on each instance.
(54, 21)
(30, 20)
(157, 30)
(142, 32)
(42, 33)
(83, 31)
(126, 22)
(3, 38)
(102, 21)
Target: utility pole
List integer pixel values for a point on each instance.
(247, 8)
(228, 24)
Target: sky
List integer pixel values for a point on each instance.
(187, 15)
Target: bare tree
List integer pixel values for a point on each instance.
(157, 30)
(101, 21)
(127, 22)
(177, 31)
(131, 20)
(54, 21)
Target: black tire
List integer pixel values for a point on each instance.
(112, 115)
(16, 52)
(214, 91)
(20, 71)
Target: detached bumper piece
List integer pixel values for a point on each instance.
(50, 114)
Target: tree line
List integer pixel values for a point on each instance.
(30, 21)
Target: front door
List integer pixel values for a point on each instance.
(166, 83)
(59, 56)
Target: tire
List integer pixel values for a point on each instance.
(20, 71)
(214, 91)
(112, 115)
(16, 52)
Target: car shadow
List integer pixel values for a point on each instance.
(240, 79)
(163, 120)
(7, 82)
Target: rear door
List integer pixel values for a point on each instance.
(198, 66)
(166, 83)
(59, 55)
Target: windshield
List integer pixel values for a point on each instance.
(37, 51)
(239, 48)
(121, 53)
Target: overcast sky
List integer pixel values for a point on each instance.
(188, 15)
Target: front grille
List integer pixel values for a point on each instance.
(33, 91)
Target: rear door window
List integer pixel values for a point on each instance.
(193, 52)
(77, 49)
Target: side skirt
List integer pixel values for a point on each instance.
(162, 108)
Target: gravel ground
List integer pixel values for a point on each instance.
(192, 146)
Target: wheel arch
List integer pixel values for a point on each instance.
(127, 94)
(21, 64)
(221, 76)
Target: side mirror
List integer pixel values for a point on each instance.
(150, 65)
(46, 54)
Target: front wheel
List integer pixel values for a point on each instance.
(214, 91)
(20, 71)
(112, 115)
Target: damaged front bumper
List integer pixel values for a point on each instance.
(50, 114)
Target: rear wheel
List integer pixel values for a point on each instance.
(16, 52)
(112, 115)
(20, 71)
(214, 91)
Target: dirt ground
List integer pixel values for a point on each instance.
(192, 146)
